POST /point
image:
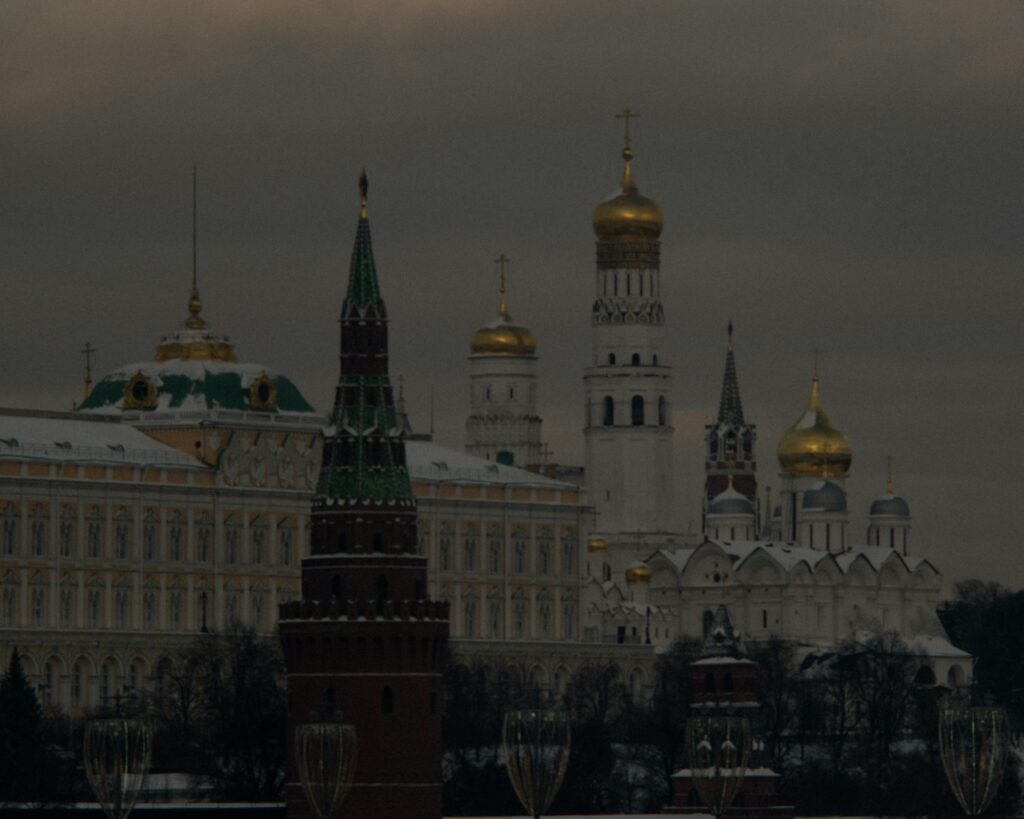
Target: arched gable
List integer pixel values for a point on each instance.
(860, 572)
(827, 572)
(760, 568)
(709, 564)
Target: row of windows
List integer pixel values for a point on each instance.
(634, 360)
(630, 282)
(94, 537)
(637, 411)
(490, 555)
(730, 444)
(489, 621)
(159, 610)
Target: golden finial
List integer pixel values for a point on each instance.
(627, 152)
(87, 351)
(364, 186)
(502, 262)
(194, 321)
(888, 474)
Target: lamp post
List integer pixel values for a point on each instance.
(536, 745)
(325, 754)
(973, 744)
(718, 748)
(117, 756)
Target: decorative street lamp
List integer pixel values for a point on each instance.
(117, 755)
(325, 753)
(536, 745)
(973, 744)
(718, 747)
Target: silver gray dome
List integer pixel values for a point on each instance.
(825, 497)
(890, 506)
(730, 502)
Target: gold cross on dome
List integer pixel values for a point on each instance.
(627, 115)
(502, 263)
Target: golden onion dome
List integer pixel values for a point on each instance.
(628, 214)
(501, 336)
(812, 446)
(596, 543)
(638, 572)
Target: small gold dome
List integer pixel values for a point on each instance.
(638, 572)
(628, 214)
(501, 337)
(596, 543)
(812, 446)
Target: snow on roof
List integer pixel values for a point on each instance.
(789, 555)
(431, 462)
(61, 437)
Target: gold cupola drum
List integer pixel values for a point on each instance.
(325, 754)
(973, 744)
(718, 747)
(117, 756)
(536, 745)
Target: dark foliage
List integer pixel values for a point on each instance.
(31, 770)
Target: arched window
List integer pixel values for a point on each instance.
(611, 358)
(727, 682)
(662, 410)
(764, 618)
(342, 542)
(654, 359)
(709, 683)
(609, 411)
(387, 700)
(382, 590)
(378, 542)
(336, 587)
(635, 361)
(637, 410)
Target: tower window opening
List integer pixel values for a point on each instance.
(727, 682)
(892, 538)
(609, 411)
(342, 542)
(336, 587)
(487, 393)
(662, 410)
(611, 358)
(637, 410)
(387, 700)
(709, 683)
(828, 537)
(511, 392)
(382, 591)
(654, 359)
(378, 542)
(635, 360)
(764, 618)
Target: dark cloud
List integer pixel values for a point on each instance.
(834, 175)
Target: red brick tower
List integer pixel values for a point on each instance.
(725, 682)
(364, 641)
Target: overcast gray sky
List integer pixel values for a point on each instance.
(845, 176)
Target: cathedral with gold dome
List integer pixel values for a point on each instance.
(176, 500)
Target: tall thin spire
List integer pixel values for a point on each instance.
(888, 474)
(87, 351)
(363, 286)
(730, 407)
(195, 306)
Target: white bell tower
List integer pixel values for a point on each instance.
(628, 422)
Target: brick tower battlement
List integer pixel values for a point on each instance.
(364, 643)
